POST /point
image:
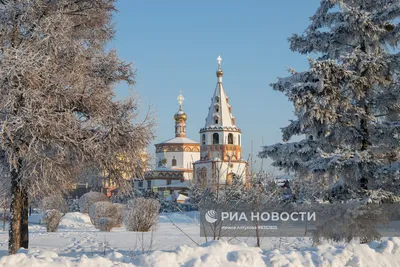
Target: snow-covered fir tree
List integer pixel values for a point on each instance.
(347, 103)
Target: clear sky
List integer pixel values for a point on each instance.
(174, 45)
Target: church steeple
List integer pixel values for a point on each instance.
(220, 138)
(180, 119)
(220, 111)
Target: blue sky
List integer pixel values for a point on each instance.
(174, 45)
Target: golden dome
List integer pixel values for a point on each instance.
(220, 73)
(180, 116)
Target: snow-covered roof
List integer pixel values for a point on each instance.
(179, 140)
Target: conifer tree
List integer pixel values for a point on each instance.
(347, 102)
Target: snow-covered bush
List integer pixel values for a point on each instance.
(53, 219)
(141, 214)
(89, 199)
(105, 224)
(54, 203)
(118, 216)
(105, 209)
(106, 215)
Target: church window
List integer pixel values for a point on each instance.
(217, 99)
(159, 163)
(203, 139)
(239, 140)
(215, 138)
(216, 109)
(230, 139)
(216, 120)
(173, 162)
(141, 184)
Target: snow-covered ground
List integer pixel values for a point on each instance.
(77, 243)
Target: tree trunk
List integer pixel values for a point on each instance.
(24, 220)
(17, 201)
(18, 197)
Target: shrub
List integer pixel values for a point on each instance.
(119, 214)
(106, 215)
(89, 199)
(53, 219)
(104, 224)
(54, 203)
(141, 214)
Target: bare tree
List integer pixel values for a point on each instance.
(57, 100)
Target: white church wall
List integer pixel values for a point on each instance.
(184, 160)
(225, 168)
(222, 170)
(189, 158)
(169, 156)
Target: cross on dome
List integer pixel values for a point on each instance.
(219, 60)
(180, 100)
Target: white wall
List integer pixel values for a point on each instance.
(184, 159)
(223, 169)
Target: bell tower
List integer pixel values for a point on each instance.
(220, 138)
(220, 143)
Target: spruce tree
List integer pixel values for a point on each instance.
(347, 102)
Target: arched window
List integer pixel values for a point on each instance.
(173, 162)
(203, 139)
(215, 139)
(230, 139)
(160, 163)
(217, 99)
(216, 119)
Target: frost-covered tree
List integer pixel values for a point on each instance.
(57, 101)
(347, 103)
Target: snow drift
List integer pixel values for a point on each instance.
(218, 253)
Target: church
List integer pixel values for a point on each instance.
(214, 161)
